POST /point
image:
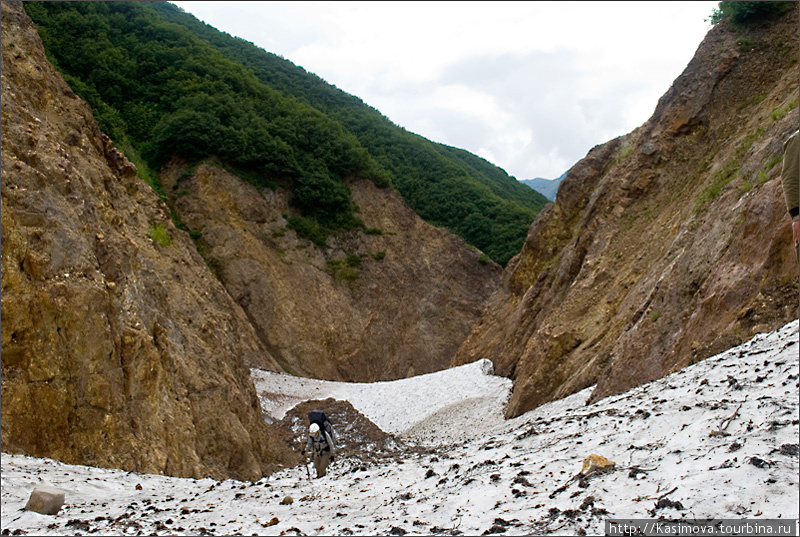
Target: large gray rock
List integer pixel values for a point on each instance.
(45, 500)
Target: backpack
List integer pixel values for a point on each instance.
(319, 417)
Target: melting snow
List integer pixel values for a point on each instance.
(718, 439)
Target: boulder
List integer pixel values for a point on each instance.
(45, 500)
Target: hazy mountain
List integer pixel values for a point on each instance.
(546, 187)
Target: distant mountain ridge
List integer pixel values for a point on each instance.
(546, 187)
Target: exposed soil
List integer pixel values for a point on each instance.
(356, 436)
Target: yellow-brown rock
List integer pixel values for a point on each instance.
(117, 351)
(597, 464)
(402, 309)
(664, 246)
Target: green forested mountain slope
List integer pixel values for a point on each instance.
(169, 84)
(350, 110)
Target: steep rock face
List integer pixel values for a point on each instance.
(370, 307)
(664, 246)
(116, 351)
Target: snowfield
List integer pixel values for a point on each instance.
(439, 407)
(718, 439)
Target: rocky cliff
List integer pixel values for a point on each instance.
(664, 246)
(393, 301)
(123, 347)
(119, 348)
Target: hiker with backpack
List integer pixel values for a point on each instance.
(320, 442)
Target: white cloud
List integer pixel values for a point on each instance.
(470, 103)
(478, 75)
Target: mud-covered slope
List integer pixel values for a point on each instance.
(117, 350)
(664, 246)
(391, 301)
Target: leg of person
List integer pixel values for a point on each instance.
(318, 466)
(323, 461)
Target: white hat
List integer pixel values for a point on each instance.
(314, 429)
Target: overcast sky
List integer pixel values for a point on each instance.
(529, 86)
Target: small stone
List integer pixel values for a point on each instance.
(45, 500)
(760, 463)
(597, 464)
(287, 500)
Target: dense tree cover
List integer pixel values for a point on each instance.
(173, 85)
(446, 186)
(171, 93)
(745, 12)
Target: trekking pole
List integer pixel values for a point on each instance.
(305, 461)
